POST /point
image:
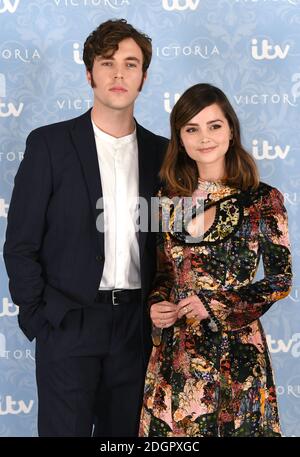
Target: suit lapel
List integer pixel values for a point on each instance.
(84, 142)
(146, 176)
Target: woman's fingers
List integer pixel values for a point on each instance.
(164, 323)
(191, 314)
(166, 317)
(184, 310)
(163, 310)
(184, 302)
(163, 307)
(164, 314)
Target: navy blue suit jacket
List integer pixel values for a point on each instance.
(53, 252)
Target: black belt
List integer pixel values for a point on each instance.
(119, 296)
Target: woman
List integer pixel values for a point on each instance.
(209, 373)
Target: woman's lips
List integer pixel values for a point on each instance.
(207, 149)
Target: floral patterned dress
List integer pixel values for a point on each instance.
(214, 377)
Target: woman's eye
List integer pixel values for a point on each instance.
(106, 64)
(191, 130)
(215, 126)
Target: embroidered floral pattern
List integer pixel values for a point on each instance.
(214, 378)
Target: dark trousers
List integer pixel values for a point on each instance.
(91, 371)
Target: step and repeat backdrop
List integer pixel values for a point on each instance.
(249, 48)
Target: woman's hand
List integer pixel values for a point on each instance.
(192, 307)
(163, 314)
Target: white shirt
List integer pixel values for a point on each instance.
(118, 163)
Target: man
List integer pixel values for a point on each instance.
(82, 292)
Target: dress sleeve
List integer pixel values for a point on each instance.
(164, 277)
(235, 308)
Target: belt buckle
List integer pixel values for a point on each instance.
(114, 298)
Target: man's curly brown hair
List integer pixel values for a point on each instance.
(104, 41)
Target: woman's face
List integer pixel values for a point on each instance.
(206, 137)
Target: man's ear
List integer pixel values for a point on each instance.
(142, 82)
(89, 77)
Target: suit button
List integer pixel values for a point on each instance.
(100, 258)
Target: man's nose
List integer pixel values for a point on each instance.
(118, 73)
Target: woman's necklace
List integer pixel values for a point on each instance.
(209, 187)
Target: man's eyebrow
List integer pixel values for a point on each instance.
(132, 58)
(112, 58)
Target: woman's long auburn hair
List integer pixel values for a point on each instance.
(179, 172)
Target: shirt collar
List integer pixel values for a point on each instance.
(117, 142)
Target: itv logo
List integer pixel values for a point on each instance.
(76, 54)
(8, 109)
(8, 309)
(9, 6)
(167, 101)
(2, 345)
(3, 208)
(10, 406)
(292, 345)
(2, 85)
(267, 151)
(268, 51)
(180, 5)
